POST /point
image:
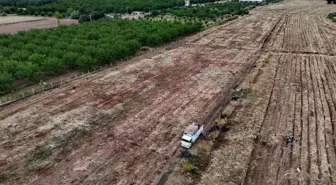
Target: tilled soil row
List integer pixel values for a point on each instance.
(301, 106)
(122, 125)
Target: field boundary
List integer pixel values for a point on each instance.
(6, 24)
(44, 86)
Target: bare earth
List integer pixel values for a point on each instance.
(10, 19)
(122, 125)
(14, 24)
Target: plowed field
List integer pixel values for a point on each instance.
(14, 24)
(123, 125)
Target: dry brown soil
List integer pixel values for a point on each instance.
(122, 125)
(293, 94)
(10, 19)
(13, 24)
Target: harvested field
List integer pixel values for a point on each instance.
(122, 125)
(293, 94)
(16, 19)
(302, 105)
(37, 23)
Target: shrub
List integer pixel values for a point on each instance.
(188, 166)
(50, 14)
(84, 18)
(332, 16)
(6, 80)
(207, 148)
(214, 10)
(75, 15)
(43, 14)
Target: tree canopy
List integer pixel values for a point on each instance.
(214, 10)
(32, 53)
(83, 7)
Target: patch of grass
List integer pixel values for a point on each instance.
(3, 178)
(164, 178)
(40, 154)
(215, 134)
(332, 16)
(43, 156)
(188, 166)
(240, 93)
(195, 163)
(221, 121)
(39, 159)
(207, 148)
(64, 144)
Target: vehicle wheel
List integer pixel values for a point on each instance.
(329, 1)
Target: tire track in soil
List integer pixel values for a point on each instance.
(285, 161)
(322, 162)
(331, 99)
(297, 124)
(315, 171)
(305, 160)
(252, 170)
(308, 103)
(285, 112)
(326, 121)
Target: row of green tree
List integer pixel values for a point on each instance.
(24, 3)
(67, 7)
(28, 55)
(214, 10)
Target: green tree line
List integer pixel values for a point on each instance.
(67, 7)
(24, 3)
(28, 55)
(214, 10)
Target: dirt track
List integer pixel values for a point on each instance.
(122, 125)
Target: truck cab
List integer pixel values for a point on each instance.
(190, 134)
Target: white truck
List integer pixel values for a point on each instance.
(190, 134)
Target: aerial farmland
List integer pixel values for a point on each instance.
(260, 79)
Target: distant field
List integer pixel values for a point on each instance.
(16, 19)
(23, 25)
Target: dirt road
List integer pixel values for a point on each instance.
(122, 125)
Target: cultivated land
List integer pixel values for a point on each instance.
(122, 125)
(14, 24)
(16, 19)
